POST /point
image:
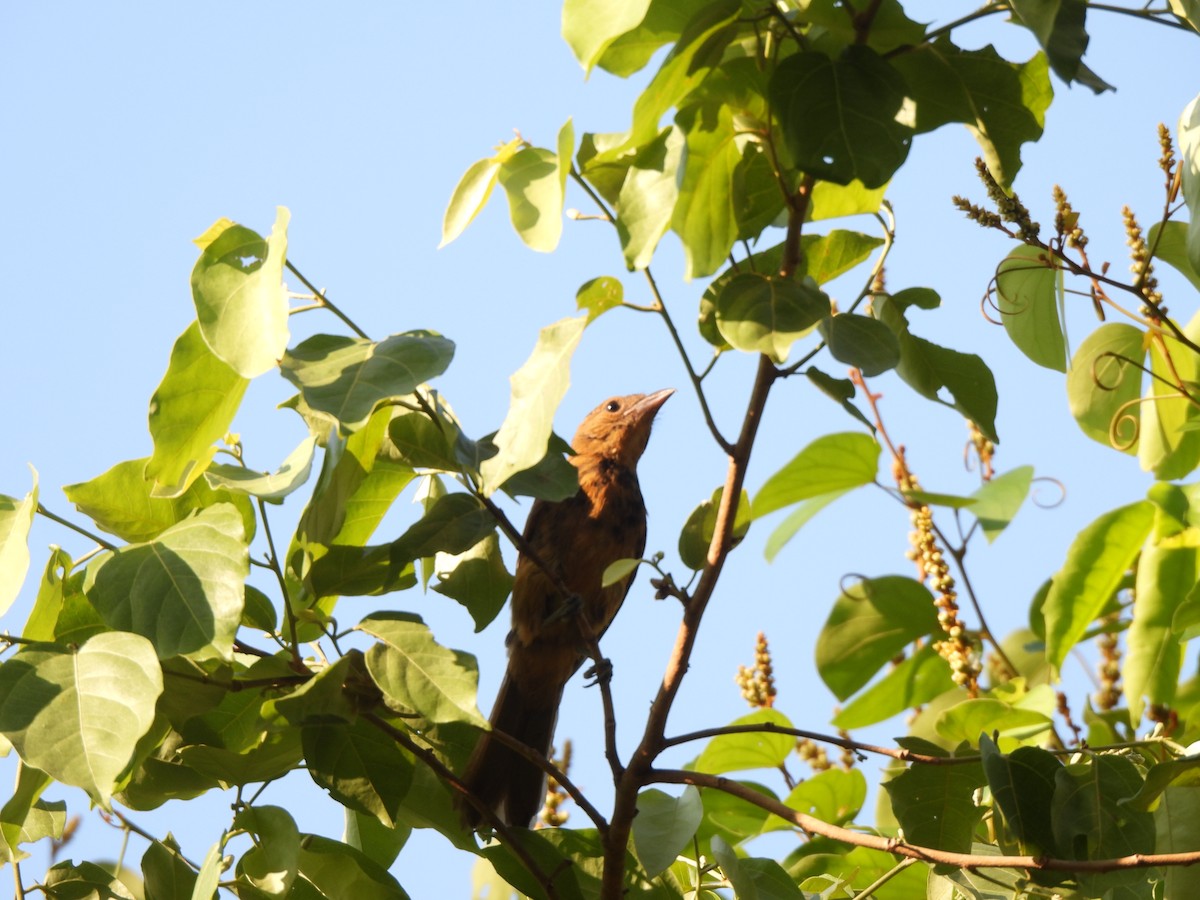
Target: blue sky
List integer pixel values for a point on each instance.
(131, 128)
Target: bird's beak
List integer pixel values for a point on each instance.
(649, 405)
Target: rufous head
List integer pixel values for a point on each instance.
(619, 428)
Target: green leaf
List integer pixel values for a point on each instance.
(192, 409)
(797, 519)
(826, 256)
(1059, 27)
(270, 865)
(928, 368)
(823, 258)
(51, 596)
(416, 674)
(590, 26)
(752, 750)
(378, 842)
(184, 590)
(698, 531)
(869, 624)
(329, 868)
(842, 119)
(1002, 103)
(704, 216)
(767, 315)
(537, 389)
(16, 518)
(470, 196)
(646, 203)
(1177, 830)
(85, 879)
(1187, 10)
(840, 390)
(598, 296)
(1029, 292)
(454, 523)
(835, 796)
(531, 180)
(1023, 787)
(210, 871)
(935, 805)
(346, 377)
(965, 722)
(1096, 562)
(292, 473)
(1104, 383)
(167, 876)
(755, 878)
(26, 819)
(241, 305)
(664, 23)
(832, 201)
(1170, 243)
(664, 827)
(77, 713)
(552, 478)
(998, 501)
(121, 501)
(1168, 568)
(862, 342)
(1182, 772)
(922, 676)
(1091, 822)
(618, 571)
(476, 578)
(1188, 139)
(697, 51)
(1169, 444)
(833, 462)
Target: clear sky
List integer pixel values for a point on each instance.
(130, 128)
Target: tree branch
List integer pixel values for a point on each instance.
(812, 825)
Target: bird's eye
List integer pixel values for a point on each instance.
(612, 406)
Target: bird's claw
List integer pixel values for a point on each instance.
(601, 672)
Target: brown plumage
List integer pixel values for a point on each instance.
(578, 538)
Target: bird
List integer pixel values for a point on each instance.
(576, 539)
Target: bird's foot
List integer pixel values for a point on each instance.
(599, 673)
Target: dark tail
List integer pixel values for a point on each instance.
(510, 785)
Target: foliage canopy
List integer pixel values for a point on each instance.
(159, 666)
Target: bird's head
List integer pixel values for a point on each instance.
(619, 427)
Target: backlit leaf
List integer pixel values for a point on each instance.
(192, 409)
(869, 624)
(417, 674)
(767, 315)
(16, 517)
(346, 377)
(77, 713)
(537, 388)
(531, 181)
(1096, 562)
(1030, 298)
(184, 590)
(833, 462)
(241, 305)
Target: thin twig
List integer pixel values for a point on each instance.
(529, 753)
(273, 560)
(324, 301)
(440, 769)
(661, 308)
(107, 545)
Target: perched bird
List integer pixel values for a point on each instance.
(577, 539)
